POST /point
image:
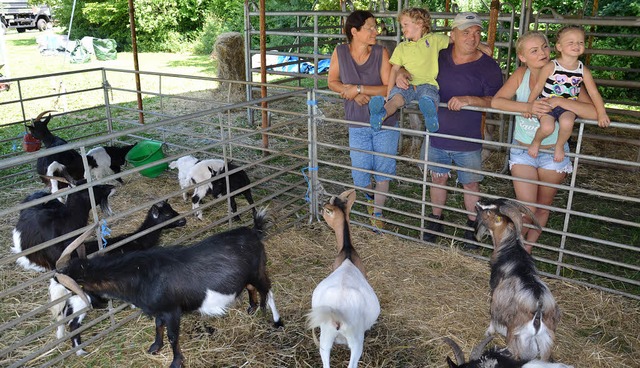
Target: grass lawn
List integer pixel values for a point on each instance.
(24, 59)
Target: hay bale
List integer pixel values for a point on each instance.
(229, 51)
(410, 145)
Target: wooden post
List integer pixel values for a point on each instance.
(493, 23)
(594, 12)
(134, 49)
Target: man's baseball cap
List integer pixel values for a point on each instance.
(465, 20)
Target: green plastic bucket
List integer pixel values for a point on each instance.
(146, 152)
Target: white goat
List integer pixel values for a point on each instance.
(522, 307)
(344, 305)
(184, 165)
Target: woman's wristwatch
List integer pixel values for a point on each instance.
(359, 89)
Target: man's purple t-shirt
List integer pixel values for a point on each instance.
(482, 77)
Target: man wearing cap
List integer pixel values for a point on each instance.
(466, 76)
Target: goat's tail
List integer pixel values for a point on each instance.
(64, 309)
(533, 340)
(537, 317)
(260, 222)
(325, 315)
(57, 291)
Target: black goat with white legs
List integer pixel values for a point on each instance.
(49, 220)
(164, 282)
(493, 358)
(107, 160)
(157, 214)
(70, 160)
(522, 307)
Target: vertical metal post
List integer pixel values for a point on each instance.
(525, 16)
(315, 52)
(313, 157)
(107, 103)
(425, 171)
(567, 216)
(594, 12)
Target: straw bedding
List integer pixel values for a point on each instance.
(425, 293)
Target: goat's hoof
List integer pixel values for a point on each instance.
(81, 352)
(252, 309)
(278, 324)
(177, 362)
(155, 348)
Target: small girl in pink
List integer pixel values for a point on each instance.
(562, 77)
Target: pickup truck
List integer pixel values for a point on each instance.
(22, 16)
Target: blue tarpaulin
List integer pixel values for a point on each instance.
(303, 67)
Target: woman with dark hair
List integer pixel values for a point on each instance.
(359, 70)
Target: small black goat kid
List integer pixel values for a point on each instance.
(164, 282)
(492, 358)
(156, 215)
(522, 307)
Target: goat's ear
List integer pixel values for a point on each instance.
(327, 210)
(349, 197)
(155, 211)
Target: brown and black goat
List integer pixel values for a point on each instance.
(522, 307)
